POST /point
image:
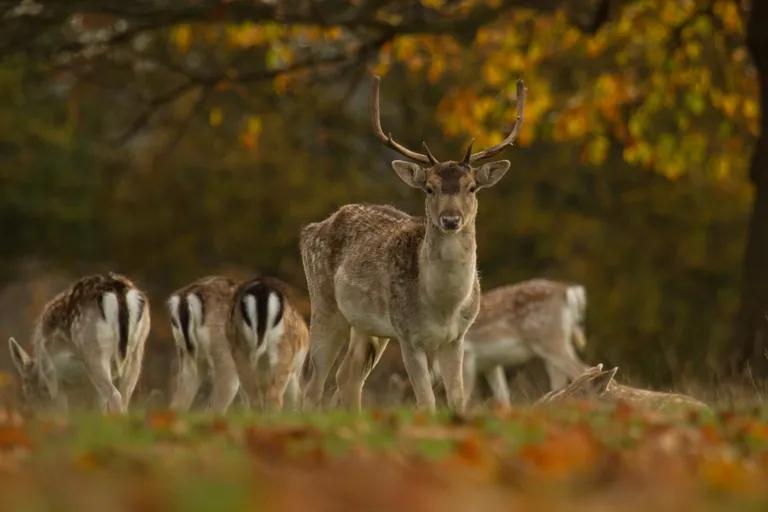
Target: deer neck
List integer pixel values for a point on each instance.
(448, 266)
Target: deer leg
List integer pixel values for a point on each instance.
(561, 364)
(327, 335)
(186, 381)
(129, 378)
(225, 386)
(557, 379)
(293, 393)
(361, 357)
(347, 393)
(247, 377)
(470, 375)
(100, 372)
(225, 382)
(497, 380)
(282, 372)
(449, 357)
(132, 371)
(417, 367)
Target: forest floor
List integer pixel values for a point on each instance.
(574, 457)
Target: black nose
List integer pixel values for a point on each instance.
(450, 222)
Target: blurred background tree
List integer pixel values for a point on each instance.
(173, 139)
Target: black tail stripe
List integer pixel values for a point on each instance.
(262, 294)
(244, 311)
(122, 322)
(184, 320)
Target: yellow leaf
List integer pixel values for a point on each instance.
(597, 149)
(750, 108)
(493, 74)
(253, 125)
(282, 83)
(249, 137)
(215, 116)
(181, 36)
(729, 103)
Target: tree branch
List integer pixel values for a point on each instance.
(141, 16)
(208, 83)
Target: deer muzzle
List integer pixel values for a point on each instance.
(450, 221)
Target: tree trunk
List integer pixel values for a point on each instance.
(751, 331)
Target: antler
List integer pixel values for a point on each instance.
(510, 140)
(468, 155)
(432, 159)
(387, 139)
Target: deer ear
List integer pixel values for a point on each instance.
(411, 173)
(594, 369)
(601, 382)
(489, 174)
(20, 358)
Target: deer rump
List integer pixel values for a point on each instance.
(121, 312)
(262, 308)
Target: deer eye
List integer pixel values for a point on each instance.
(430, 190)
(472, 189)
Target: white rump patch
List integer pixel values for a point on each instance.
(135, 304)
(195, 311)
(272, 333)
(108, 329)
(173, 310)
(273, 307)
(576, 297)
(197, 334)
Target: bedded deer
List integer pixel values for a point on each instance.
(375, 273)
(199, 314)
(103, 322)
(598, 384)
(535, 318)
(268, 339)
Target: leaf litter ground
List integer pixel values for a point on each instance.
(574, 457)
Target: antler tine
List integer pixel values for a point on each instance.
(510, 140)
(431, 157)
(387, 139)
(468, 155)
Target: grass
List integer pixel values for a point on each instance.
(575, 457)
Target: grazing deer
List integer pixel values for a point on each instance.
(536, 318)
(199, 314)
(598, 384)
(101, 320)
(386, 274)
(268, 338)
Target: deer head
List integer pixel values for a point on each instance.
(450, 186)
(38, 383)
(593, 383)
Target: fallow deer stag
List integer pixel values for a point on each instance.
(103, 321)
(535, 318)
(199, 314)
(386, 274)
